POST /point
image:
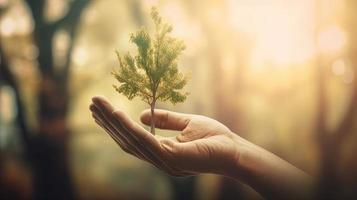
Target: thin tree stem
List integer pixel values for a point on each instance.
(152, 122)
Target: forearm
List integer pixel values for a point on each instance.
(268, 174)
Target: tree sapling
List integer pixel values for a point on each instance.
(152, 74)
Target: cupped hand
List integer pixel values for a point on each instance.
(203, 145)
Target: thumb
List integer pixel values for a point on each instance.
(166, 119)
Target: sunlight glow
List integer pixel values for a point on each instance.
(348, 78)
(7, 26)
(61, 43)
(80, 56)
(331, 40)
(55, 9)
(342, 69)
(6, 104)
(281, 32)
(13, 22)
(62, 40)
(185, 28)
(338, 67)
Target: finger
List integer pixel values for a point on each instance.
(141, 146)
(172, 171)
(174, 151)
(111, 132)
(191, 155)
(123, 145)
(137, 135)
(99, 117)
(136, 130)
(119, 119)
(105, 111)
(144, 138)
(166, 119)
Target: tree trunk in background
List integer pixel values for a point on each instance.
(328, 183)
(49, 154)
(10, 190)
(47, 147)
(184, 188)
(330, 142)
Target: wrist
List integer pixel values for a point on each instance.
(267, 173)
(245, 153)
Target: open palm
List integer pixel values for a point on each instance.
(203, 145)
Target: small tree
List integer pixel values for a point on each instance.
(152, 74)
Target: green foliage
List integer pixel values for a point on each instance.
(152, 74)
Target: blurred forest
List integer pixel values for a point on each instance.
(281, 74)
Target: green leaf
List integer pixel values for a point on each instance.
(152, 73)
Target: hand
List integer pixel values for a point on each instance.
(203, 145)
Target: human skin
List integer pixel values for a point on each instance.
(203, 145)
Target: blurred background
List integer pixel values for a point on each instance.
(280, 73)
